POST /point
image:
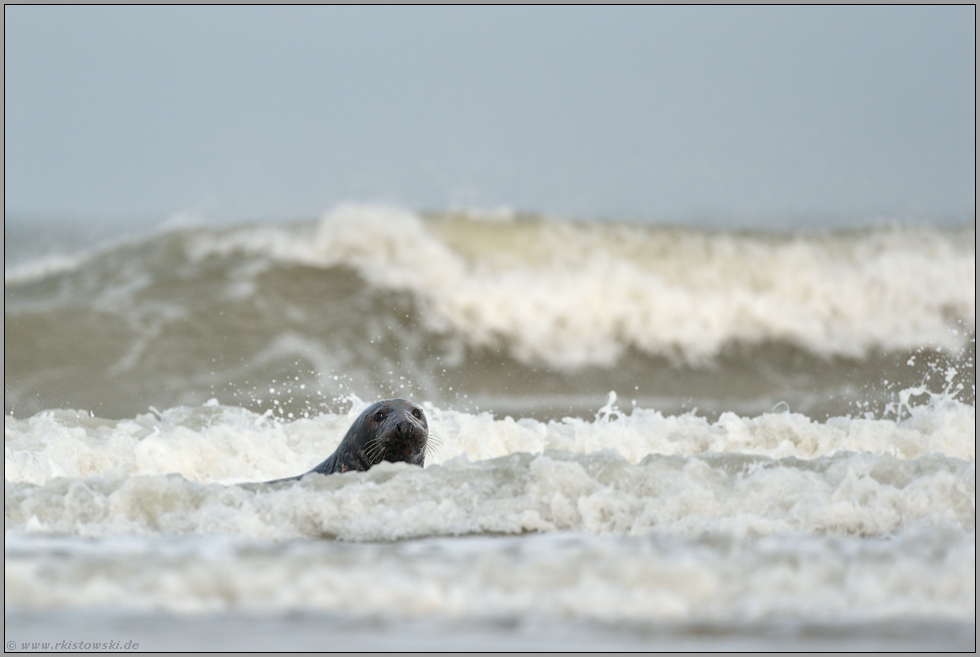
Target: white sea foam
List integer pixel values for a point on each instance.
(227, 444)
(626, 517)
(619, 474)
(576, 294)
(854, 494)
(921, 573)
(39, 268)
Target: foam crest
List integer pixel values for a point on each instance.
(571, 295)
(599, 493)
(228, 444)
(943, 425)
(40, 268)
(208, 443)
(924, 573)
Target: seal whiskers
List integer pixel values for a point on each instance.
(432, 445)
(374, 452)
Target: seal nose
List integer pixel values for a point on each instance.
(405, 429)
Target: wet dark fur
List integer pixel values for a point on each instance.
(389, 430)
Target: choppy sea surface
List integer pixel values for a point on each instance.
(647, 437)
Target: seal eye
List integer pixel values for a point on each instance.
(379, 416)
(417, 413)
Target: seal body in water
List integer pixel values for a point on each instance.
(389, 430)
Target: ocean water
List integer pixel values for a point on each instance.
(646, 437)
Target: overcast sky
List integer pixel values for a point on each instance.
(655, 113)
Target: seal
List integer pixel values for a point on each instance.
(389, 430)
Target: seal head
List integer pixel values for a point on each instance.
(389, 430)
